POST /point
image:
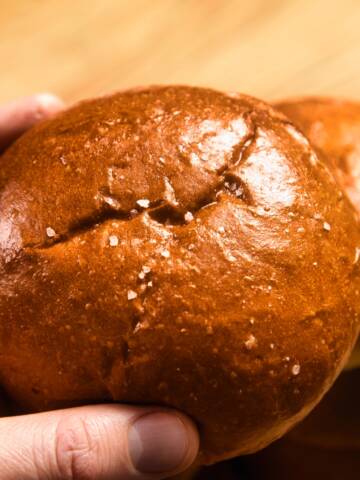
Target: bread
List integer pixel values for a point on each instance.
(327, 443)
(176, 246)
(333, 127)
(324, 446)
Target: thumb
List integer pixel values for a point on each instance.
(101, 442)
(19, 115)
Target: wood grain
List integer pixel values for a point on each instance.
(268, 48)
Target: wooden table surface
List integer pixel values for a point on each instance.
(268, 48)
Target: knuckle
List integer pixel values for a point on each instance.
(76, 452)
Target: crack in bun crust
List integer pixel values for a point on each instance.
(176, 246)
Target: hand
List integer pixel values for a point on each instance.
(19, 115)
(93, 442)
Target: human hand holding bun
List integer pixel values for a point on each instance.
(181, 247)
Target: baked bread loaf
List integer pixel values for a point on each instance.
(331, 431)
(325, 445)
(176, 246)
(333, 127)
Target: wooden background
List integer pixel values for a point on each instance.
(268, 48)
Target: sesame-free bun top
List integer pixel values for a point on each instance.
(176, 246)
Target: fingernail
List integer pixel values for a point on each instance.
(47, 104)
(158, 442)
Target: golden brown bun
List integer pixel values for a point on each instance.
(324, 446)
(333, 127)
(327, 443)
(176, 246)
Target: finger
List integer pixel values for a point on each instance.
(21, 114)
(103, 442)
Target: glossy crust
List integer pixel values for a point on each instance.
(333, 127)
(176, 246)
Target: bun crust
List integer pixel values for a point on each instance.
(176, 246)
(332, 126)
